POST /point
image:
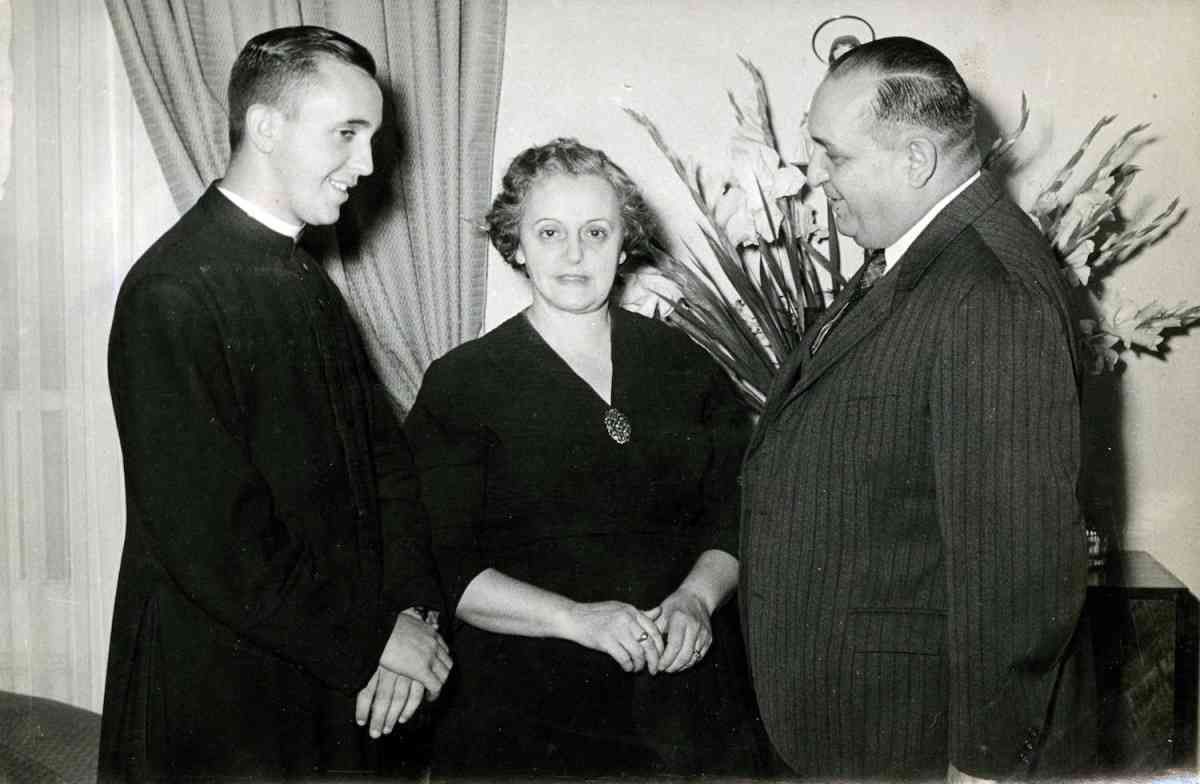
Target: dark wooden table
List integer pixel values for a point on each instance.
(1145, 632)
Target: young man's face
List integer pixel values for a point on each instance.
(324, 144)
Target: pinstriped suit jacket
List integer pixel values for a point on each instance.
(913, 563)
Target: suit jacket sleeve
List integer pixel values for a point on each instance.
(208, 511)
(1005, 431)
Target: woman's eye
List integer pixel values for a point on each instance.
(347, 134)
(597, 233)
(547, 234)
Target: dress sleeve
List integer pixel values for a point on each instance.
(728, 424)
(450, 453)
(1005, 437)
(205, 509)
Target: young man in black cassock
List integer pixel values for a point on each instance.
(274, 566)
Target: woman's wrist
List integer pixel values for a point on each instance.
(712, 579)
(700, 594)
(562, 620)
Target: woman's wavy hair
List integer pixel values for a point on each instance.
(567, 156)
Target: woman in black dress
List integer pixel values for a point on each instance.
(579, 466)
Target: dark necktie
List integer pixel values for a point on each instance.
(874, 265)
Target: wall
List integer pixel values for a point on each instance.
(571, 64)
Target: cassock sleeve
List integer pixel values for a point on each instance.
(208, 512)
(409, 576)
(450, 453)
(1005, 436)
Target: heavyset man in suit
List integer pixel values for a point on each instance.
(913, 560)
(274, 565)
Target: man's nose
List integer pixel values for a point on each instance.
(817, 175)
(363, 161)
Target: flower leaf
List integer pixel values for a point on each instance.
(764, 105)
(1004, 144)
(1065, 172)
(1103, 168)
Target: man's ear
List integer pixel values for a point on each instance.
(263, 124)
(921, 160)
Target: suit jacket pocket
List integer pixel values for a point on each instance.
(898, 694)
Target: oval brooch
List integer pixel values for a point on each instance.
(617, 425)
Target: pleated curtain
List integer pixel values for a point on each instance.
(407, 252)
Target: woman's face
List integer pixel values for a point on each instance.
(570, 242)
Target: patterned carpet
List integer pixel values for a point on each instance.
(43, 741)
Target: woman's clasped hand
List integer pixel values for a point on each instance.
(686, 624)
(668, 638)
(624, 632)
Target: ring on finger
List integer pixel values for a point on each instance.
(643, 637)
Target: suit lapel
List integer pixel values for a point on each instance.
(790, 369)
(950, 222)
(866, 317)
(800, 371)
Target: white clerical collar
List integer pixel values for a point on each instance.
(261, 215)
(894, 252)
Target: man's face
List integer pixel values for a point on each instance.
(324, 144)
(865, 182)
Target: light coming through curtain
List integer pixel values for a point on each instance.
(84, 198)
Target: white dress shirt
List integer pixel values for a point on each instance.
(893, 253)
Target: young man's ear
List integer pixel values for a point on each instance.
(263, 124)
(921, 159)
